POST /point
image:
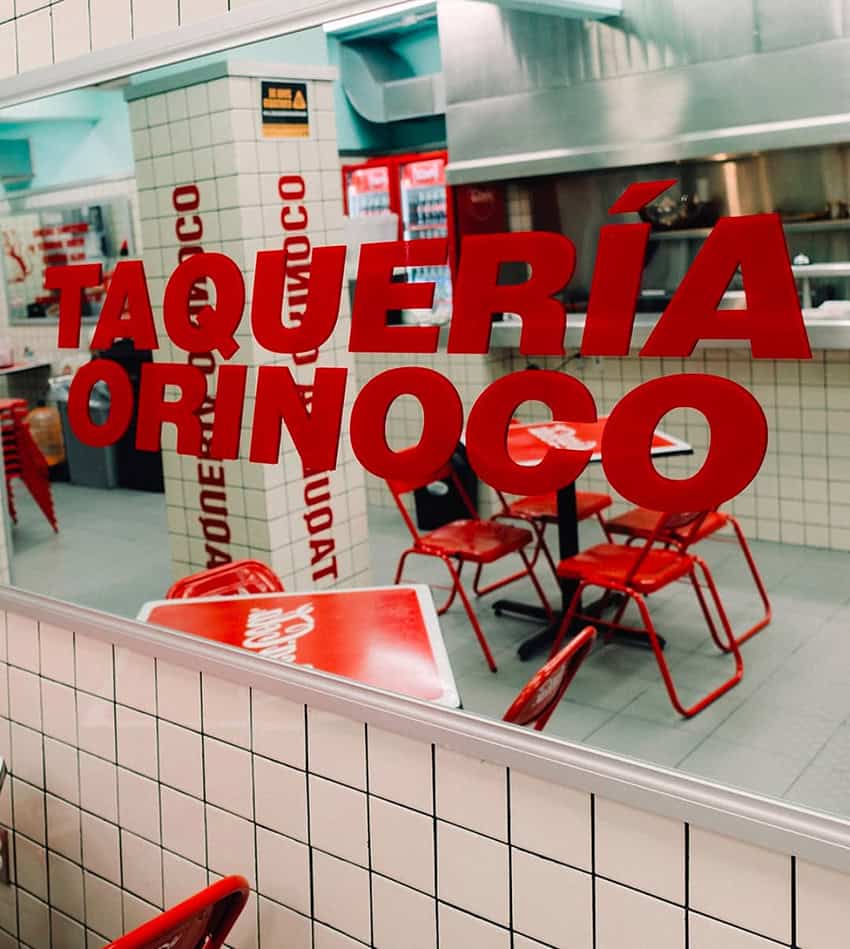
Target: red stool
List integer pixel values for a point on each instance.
(539, 511)
(230, 579)
(471, 540)
(639, 523)
(201, 922)
(23, 459)
(540, 697)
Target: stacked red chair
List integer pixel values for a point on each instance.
(539, 511)
(639, 523)
(540, 697)
(471, 540)
(23, 459)
(636, 572)
(201, 922)
(239, 578)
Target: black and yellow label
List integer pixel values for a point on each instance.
(285, 111)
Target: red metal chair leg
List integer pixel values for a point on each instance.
(539, 546)
(604, 528)
(399, 570)
(709, 619)
(529, 568)
(690, 711)
(473, 619)
(748, 556)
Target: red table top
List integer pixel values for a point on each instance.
(528, 444)
(388, 637)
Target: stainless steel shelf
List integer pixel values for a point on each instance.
(792, 227)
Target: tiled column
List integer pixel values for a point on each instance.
(209, 179)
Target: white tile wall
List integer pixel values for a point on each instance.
(357, 838)
(209, 136)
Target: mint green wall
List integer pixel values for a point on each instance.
(76, 136)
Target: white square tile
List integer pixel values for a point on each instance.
(8, 49)
(28, 810)
(337, 747)
(400, 769)
(110, 26)
(626, 919)
(136, 911)
(101, 847)
(280, 798)
(142, 866)
(104, 911)
(63, 828)
(137, 741)
(402, 917)
(472, 873)
(745, 885)
(551, 820)
(823, 907)
(95, 667)
(70, 29)
(552, 903)
(96, 725)
(230, 844)
(59, 708)
(179, 694)
(31, 867)
(181, 759)
(276, 919)
(283, 870)
(135, 680)
(25, 698)
(154, 16)
(461, 931)
(326, 938)
(227, 771)
(99, 787)
(642, 850)
(227, 711)
(66, 886)
(34, 921)
(22, 642)
(27, 755)
(66, 932)
(183, 825)
(341, 896)
(402, 844)
(338, 820)
(138, 805)
(35, 45)
(704, 933)
(61, 771)
(180, 879)
(57, 653)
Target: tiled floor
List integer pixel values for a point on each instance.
(784, 731)
(111, 551)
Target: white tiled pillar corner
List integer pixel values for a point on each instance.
(208, 178)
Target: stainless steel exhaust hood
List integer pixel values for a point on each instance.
(531, 94)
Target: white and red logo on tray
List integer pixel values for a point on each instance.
(370, 180)
(424, 174)
(379, 636)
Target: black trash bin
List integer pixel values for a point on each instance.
(440, 502)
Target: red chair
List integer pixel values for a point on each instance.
(472, 540)
(201, 922)
(540, 697)
(639, 523)
(539, 511)
(230, 579)
(635, 573)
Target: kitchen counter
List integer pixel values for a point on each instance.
(825, 332)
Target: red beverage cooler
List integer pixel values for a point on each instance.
(414, 187)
